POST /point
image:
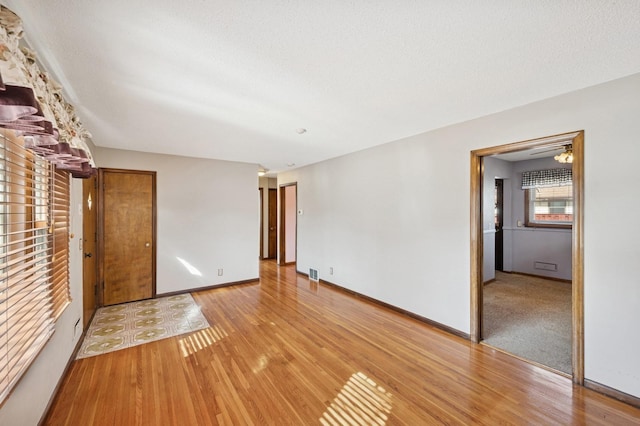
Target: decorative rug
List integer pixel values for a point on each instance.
(131, 324)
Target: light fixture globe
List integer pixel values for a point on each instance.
(566, 156)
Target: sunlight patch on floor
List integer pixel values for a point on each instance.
(360, 402)
(204, 338)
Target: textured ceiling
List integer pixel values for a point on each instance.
(234, 79)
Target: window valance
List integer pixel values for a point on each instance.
(546, 178)
(33, 106)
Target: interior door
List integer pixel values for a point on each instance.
(499, 213)
(288, 223)
(89, 243)
(273, 223)
(127, 204)
(261, 202)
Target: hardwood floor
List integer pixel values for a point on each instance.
(290, 351)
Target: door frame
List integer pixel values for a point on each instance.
(266, 222)
(499, 235)
(282, 248)
(89, 295)
(101, 215)
(577, 246)
(261, 192)
(272, 212)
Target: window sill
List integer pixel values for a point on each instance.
(547, 225)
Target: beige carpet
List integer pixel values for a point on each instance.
(529, 317)
(130, 324)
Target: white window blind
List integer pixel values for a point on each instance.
(26, 306)
(60, 204)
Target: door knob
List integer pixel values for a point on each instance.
(87, 255)
(147, 244)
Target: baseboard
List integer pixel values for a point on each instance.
(71, 360)
(613, 393)
(489, 281)
(562, 280)
(605, 390)
(211, 287)
(401, 311)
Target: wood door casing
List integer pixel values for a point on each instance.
(577, 247)
(89, 244)
(128, 235)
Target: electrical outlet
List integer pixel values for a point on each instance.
(331, 270)
(220, 271)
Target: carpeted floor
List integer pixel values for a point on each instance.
(529, 317)
(130, 324)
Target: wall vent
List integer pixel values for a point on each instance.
(545, 266)
(313, 274)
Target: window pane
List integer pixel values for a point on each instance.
(551, 205)
(59, 218)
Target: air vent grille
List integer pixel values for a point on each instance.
(313, 274)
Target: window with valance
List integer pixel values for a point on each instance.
(548, 198)
(42, 145)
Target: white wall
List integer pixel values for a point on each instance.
(27, 403)
(393, 241)
(207, 215)
(405, 240)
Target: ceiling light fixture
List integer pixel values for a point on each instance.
(566, 156)
(301, 130)
(262, 172)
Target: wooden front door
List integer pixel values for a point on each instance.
(127, 206)
(273, 223)
(89, 243)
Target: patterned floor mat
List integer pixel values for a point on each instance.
(130, 324)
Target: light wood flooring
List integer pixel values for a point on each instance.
(288, 351)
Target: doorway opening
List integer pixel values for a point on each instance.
(478, 239)
(499, 224)
(268, 190)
